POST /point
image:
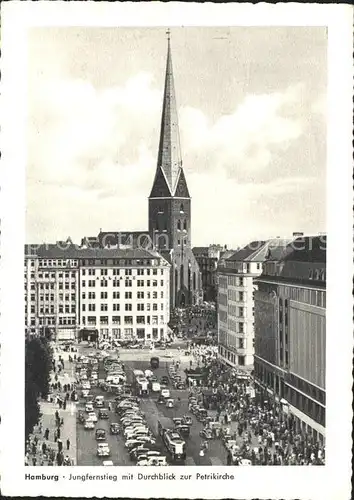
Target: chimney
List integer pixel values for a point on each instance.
(297, 234)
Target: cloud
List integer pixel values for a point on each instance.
(82, 136)
(246, 138)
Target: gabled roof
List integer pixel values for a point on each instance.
(182, 188)
(55, 251)
(247, 252)
(160, 188)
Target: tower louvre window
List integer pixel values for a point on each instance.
(181, 210)
(179, 225)
(185, 225)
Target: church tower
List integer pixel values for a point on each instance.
(170, 203)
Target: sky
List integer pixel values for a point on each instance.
(252, 116)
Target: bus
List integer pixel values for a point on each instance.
(141, 383)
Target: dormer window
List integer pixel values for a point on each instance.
(317, 274)
(311, 274)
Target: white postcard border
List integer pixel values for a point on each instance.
(331, 481)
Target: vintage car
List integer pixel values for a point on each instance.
(187, 420)
(81, 416)
(206, 433)
(100, 435)
(103, 413)
(89, 424)
(114, 428)
(170, 403)
(103, 450)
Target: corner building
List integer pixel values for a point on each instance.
(236, 278)
(290, 333)
(113, 293)
(170, 205)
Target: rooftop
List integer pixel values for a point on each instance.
(247, 253)
(70, 251)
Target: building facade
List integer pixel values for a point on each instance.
(118, 293)
(207, 259)
(235, 306)
(290, 332)
(236, 287)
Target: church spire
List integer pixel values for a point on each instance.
(169, 155)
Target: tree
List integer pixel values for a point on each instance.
(39, 361)
(38, 364)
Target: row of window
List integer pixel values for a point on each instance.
(128, 320)
(127, 283)
(117, 272)
(231, 357)
(241, 266)
(53, 262)
(126, 333)
(235, 326)
(92, 262)
(127, 307)
(237, 312)
(236, 281)
(51, 286)
(66, 275)
(236, 296)
(120, 262)
(50, 297)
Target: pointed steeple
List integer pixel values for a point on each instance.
(169, 155)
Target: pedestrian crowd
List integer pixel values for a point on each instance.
(255, 431)
(48, 446)
(40, 450)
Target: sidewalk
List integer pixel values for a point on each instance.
(68, 429)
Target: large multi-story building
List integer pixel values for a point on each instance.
(290, 332)
(236, 274)
(117, 293)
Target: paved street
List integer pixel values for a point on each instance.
(86, 443)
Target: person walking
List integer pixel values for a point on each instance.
(68, 444)
(55, 436)
(46, 434)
